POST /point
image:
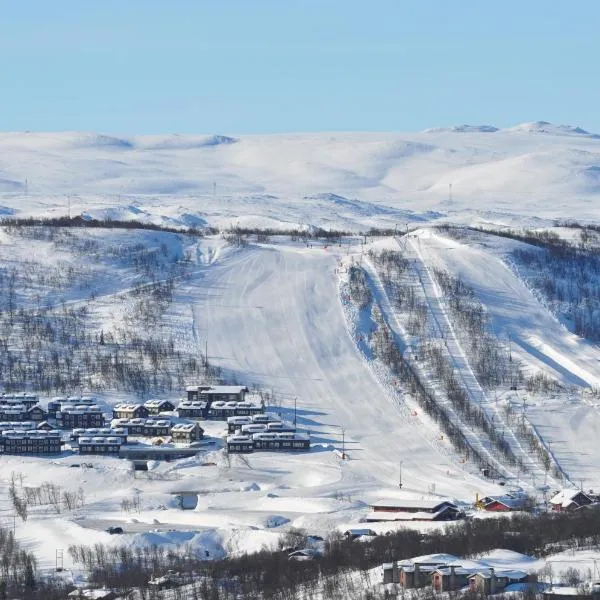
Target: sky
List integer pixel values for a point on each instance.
(270, 66)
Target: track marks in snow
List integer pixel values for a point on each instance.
(298, 345)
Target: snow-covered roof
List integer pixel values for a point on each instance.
(565, 497)
(29, 434)
(399, 515)
(102, 440)
(225, 389)
(192, 404)
(139, 421)
(507, 573)
(506, 500)
(80, 409)
(430, 559)
(155, 403)
(185, 427)
(239, 420)
(411, 503)
(292, 435)
(19, 425)
(239, 439)
(92, 594)
(253, 427)
(264, 418)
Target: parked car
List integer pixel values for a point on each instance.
(114, 530)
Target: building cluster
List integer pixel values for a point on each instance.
(26, 427)
(217, 402)
(30, 441)
(21, 407)
(447, 573)
(263, 432)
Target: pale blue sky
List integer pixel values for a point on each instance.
(254, 66)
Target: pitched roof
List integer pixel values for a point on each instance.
(411, 503)
(566, 497)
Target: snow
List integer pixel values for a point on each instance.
(345, 180)
(274, 315)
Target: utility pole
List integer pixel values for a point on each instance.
(214, 190)
(26, 187)
(69, 206)
(295, 399)
(400, 480)
(59, 559)
(450, 192)
(343, 444)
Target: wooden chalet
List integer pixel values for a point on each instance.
(37, 413)
(223, 393)
(155, 407)
(416, 573)
(186, 432)
(107, 445)
(235, 423)
(221, 410)
(357, 533)
(27, 400)
(240, 444)
(130, 411)
(21, 412)
(80, 416)
(192, 409)
(30, 442)
(144, 427)
(505, 503)
(414, 510)
(263, 440)
(570, 499)
(492, 581)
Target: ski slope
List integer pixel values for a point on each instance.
(273, 317)
(537, 339)
(271, 314)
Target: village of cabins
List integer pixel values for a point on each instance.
(161, 430)
(154, 430)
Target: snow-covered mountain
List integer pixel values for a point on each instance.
(531, 170)
(277, 312)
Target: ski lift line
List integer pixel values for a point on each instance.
(442, 331)
(448, 333)
(472, 440)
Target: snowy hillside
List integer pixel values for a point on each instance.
(340, 180)
(436, 357)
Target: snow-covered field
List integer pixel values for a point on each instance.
(538, 170)
(273, 314)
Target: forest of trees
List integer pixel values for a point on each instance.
(51, 344)
(343, 569)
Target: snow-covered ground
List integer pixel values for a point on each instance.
(273, 314)
(347, 180)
